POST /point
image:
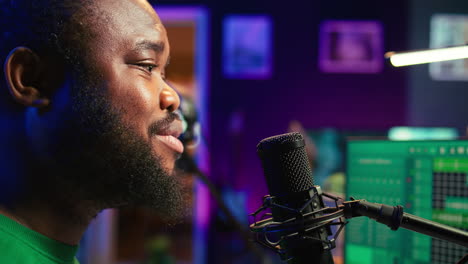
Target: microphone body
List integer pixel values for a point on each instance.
(290, 182)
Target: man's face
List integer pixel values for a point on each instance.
(132, 52)
(123, 131)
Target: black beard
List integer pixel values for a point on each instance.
(104, 164)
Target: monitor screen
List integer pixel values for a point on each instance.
(326, 149)
(428, 178)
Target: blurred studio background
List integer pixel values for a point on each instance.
(247, 70)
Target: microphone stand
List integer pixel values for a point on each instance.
(192, 167)
(394, 217)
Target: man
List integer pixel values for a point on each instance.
(87, 121)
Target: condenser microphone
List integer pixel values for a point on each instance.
(299, 226)
(290, 183)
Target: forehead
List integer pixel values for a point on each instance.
(125, 22)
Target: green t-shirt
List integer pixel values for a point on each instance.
(21, 245)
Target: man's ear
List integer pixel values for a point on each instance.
(22, 75)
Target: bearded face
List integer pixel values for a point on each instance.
(110, 134)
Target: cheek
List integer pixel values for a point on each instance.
(132, 93)
(137, 101)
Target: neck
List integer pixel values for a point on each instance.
(66, 225)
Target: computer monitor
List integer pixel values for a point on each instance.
(326, 149)
(428, 178)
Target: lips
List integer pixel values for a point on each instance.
(169, 136)
(172, 142)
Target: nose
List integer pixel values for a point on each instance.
(169, 99)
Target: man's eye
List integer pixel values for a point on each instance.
(148, 67)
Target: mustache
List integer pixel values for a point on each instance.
(163, 124)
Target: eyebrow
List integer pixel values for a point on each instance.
(157, 47)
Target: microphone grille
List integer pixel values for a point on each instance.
(285, 164)
(277, 140)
